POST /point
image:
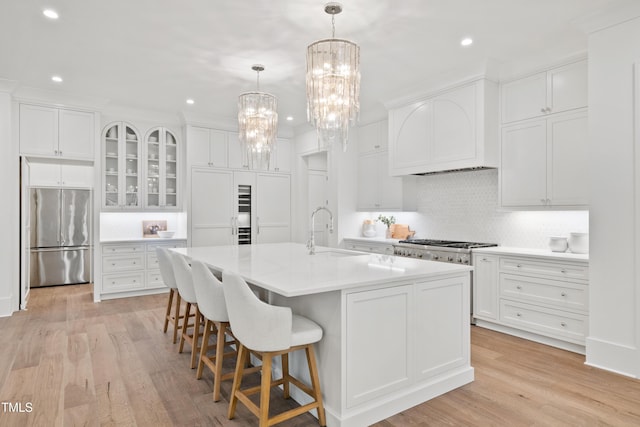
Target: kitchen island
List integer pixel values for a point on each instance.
(396, 330)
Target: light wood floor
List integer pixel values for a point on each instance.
(86, 364)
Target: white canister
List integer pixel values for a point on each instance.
(579, 243)
(369, 229)
(558, 243)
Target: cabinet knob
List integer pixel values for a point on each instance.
(548, 109)
(518, 315)
(134, 280)
(518, 265)
(519, 287)
(113, 264)
(564, 294)
(376, 146)
(543, 110)
(563, 271)
(563, 324)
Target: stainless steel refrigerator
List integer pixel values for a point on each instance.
(60, 246)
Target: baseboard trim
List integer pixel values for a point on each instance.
(6, 306)
(614, 357)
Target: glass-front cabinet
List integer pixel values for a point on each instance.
(121, 167)
(161, 169)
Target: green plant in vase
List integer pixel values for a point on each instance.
(387, 220)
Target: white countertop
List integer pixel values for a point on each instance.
(289, 270)
(538, 253)
(142, 239)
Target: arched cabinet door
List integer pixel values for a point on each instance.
(161, 165)
(121, 167)
(410, 133)
(453, 136)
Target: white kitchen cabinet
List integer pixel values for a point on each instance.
(162, 171)
(236, 155)
(131, 268)
(379, 191)
(283, 156)
(546, 300)
(54, 174)
(207, 147)
(273, 208)
(544, 163)
(56, 132)
(239, 207)
(373, 137)
(485, 286)
(211, 214)
(121, 167)
(454, 129)
(553, 91)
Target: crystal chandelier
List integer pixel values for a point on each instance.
(333, 85)
(257, 124)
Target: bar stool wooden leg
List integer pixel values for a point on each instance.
(237, 379)
(168, 314)
(176, 317)
(315, 383)
(220, 343)
(195, 349)
(185, 326)
(285, 375)
(265, 389)
(203, 348)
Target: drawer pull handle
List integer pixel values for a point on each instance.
(563, 271)
(564, 294)
(563, 324)
(518, 314)
(134, 263)
(518, 265)
(113, 283)
(113, 264)
(134, 281)
(518, 287)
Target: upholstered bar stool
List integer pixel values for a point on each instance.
(169, 279)
(184, 280)
(213, 307)
(269, 331)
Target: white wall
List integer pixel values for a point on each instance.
(9, 211)
(614, 335)
(464, 206)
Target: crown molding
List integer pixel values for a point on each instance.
(622, 11)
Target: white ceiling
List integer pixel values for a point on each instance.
(154, 54)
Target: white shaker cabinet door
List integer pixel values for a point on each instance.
(211, 207)
(198, 146)
(273, 214)
(485, 286)
(524, 98)
(38, 130)
(567, 87)
(77, 134)
(568, 160)
(523, 167)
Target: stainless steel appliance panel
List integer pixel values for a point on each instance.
(45, 217)
(75, 218)
(59, 266)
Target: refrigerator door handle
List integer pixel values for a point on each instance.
(64, 249)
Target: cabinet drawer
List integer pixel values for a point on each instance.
(122, 282)
(556, 293)
(122, 249)
(152, 261)
(154, 279)
(545, 321)
(122, 263)
(558, 270)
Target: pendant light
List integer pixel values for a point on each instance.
(258, 124)
(333, 85)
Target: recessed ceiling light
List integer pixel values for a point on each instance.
(56, 79)
(467, 41)
(50, 13)
(289, 118)
(190, 101)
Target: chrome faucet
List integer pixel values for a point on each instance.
(311, 243)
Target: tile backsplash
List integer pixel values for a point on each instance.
(464, 206)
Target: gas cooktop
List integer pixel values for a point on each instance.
(447, 243)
